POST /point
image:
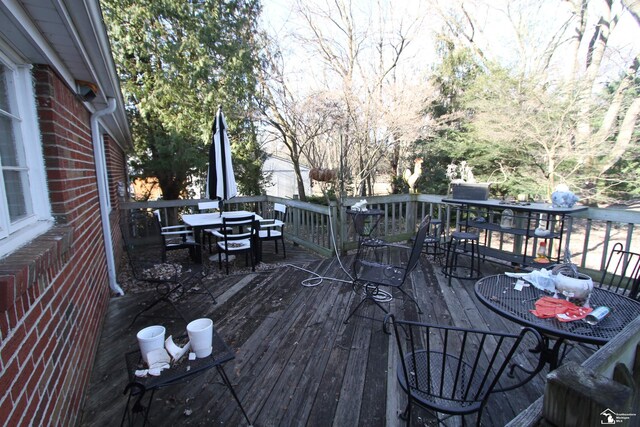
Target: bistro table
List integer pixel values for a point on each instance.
(210, 220)
(498, 294)
(183, 371)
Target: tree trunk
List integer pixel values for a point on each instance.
(633, 6)
(595, 53)
(394, 163)
(624, 136)
(301, 193)
(579, 8)
(611, 117)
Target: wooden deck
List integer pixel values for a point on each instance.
(296, 363)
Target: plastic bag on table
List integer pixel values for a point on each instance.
(541, 279)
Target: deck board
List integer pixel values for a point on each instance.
(297, 362)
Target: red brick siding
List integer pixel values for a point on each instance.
(58, 283)
(117, 173)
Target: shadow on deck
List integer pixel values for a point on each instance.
(296, 363)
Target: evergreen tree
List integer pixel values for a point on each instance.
(178, 60)
(451, 139)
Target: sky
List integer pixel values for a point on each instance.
(495, 33)
(281, 20)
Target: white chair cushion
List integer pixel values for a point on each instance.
(236, 245)
(271, 223)
(269, 233)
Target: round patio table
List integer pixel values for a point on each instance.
(498, 294)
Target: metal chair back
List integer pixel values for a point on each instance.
(372, 274)
(238, 235)
(622, 272)
(417, 245)
(146, 251)
(449, 369)
(142, 239)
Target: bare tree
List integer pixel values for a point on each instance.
(358, 64)
(561, 54)
(297, 121)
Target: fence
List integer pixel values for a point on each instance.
(327, 229)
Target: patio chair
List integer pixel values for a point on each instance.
(146, 252)
(371, 275)
(176, 236)
(433, 242)
(273, 229)
(452, 370)
(622, 272)
(238, 236)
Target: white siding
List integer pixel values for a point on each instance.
(283, 179)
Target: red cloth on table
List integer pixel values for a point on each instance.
(563, 310)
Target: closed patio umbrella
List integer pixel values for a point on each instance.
(221, 183)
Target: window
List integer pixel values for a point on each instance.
(23, 197)
(15, 173)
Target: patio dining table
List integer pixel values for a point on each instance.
(200, 222)
(498, 293)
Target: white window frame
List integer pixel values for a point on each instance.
(28, 138)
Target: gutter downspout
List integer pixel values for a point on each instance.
(103, 192)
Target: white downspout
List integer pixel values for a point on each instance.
(103, 192)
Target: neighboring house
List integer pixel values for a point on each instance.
(63, 134)
(283, 181)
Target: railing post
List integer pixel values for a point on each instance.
(447, 223)
(336, 230)
(296, 220)
(412, 214)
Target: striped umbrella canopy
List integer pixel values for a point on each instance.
(221, 183)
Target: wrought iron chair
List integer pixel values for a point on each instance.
(434, 241)
(146, 252)
(371, 275)
(441, 368)
(238, 235)
(273, 229)
(622, 272)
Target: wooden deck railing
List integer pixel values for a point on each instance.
(327, 229)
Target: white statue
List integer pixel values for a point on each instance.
(412, 178)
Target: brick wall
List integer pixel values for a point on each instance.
(117, 173)
(49, 334)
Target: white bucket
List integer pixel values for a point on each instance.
(149, 339)
(200, 333)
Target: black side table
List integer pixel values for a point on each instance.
(183, 371)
